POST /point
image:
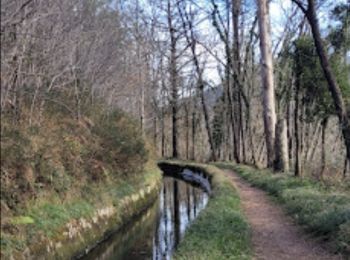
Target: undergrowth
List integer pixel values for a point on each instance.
(63, 169)
(323, 212)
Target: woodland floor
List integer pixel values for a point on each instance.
(274, 235)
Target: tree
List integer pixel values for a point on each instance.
(268, 92)
(333, 87)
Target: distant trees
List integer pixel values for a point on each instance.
(192, 74)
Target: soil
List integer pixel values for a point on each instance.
(275, 236)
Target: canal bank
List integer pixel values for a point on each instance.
(70, 230)
(182, 224)
(221, 230)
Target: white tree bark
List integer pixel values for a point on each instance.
(268, 91)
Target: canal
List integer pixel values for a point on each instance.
(158, 230)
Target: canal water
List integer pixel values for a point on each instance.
(156, 232)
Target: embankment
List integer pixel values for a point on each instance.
(66, 184)
(220, 231)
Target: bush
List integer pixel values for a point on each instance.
(122, 143)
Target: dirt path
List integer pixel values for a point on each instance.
(274, 235)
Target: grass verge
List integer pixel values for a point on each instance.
(323, 212)
(220, 231)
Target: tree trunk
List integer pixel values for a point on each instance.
(281, 147)
(187, 125)
(193, 157)
(173, 81)
(163, 131)
(268, 91)
(155, 129)
(236, 90)
(323, 154)
(289, 133)
(297, 167)
(207, 123)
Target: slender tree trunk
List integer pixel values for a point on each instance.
(173, 81)
(289, 133)
(268, 91)
(163, 132)
(155, 129)
(346, 166)
(193, 157)
(236, 90)
(323, 154)
(297, 168)
(187, 125)
(281, 147)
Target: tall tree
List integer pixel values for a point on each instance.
(268, 91)
(173, 76)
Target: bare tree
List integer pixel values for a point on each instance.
(268, 91)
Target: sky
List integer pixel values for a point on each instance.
(279, 17)
(279, 12)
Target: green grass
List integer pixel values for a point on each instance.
(51, 214)
(220, 231)
(321, 211)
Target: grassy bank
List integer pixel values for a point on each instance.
(323, 212)
(220, 231)
(66, 183)
(88, 218)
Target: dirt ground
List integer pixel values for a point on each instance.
(274, 235)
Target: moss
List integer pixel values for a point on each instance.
(220, 231)
(22, 220)
(322, 211)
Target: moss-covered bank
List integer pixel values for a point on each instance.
(220, 231)
(322, 211)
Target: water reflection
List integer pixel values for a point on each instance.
(179, 204)
(156, 233)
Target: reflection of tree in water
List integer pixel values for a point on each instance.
(180, 202)
(157, 232)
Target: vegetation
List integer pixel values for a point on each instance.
(220, 231)
(64, 170)
(323, 211)
(85, 84)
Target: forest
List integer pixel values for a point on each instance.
(99, 97)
